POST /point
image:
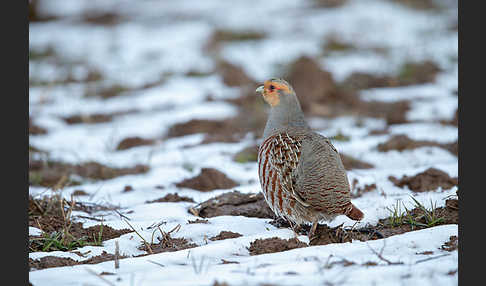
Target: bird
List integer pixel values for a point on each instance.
(301, 173)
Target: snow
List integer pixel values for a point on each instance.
(166, 39)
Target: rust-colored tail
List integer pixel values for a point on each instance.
(354, 213)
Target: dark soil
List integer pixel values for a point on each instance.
(127, 189)
(251, 115)
(96, 117)
(234, 75)
(131, 142)
(53, 261)
(409, 73)
(198, 221)
(248, 154)
(419, 4)
(448, 214)
(50, 261)
(385, 228)
(428, 180)
(361, 80)
(251, 118)
(197, 126)
(34, 15)
(89, 119)
(274, 244)
(454, 121)
(220, 37)
(403, 142)
(51, 215)
(168, 244)
(36, 130)
(229, 262)
(329, 3)
(235, 204)
(326, 235)
(33, 150)
(102, 18)
(209, 179)
(320, 95)
(46, 214)
(392, 112)
(79, 193)
(313, 86)
(333, 43)
(450, 245)
(225, 235)
(379, 131)
(172, 198)
(50, 173)
(359, 191)
(352, 163)
(105, 92)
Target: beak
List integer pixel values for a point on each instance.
(260, 89)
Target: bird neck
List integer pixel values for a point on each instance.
(287, 113)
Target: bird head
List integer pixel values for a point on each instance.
(274, 90)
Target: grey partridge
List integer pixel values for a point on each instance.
(301, 173)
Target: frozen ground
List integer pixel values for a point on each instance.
(167, 38)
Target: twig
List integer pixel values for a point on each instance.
(178, 227)
(380, 256)
(431, 258)
(117, 254)
(99, 276)
(121, 215)
(156, 263)
(144, 241)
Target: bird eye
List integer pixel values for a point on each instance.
(272, 87)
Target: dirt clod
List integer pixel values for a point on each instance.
(225, 235)
(274, 244)
(50, 214)
(209, 179)
(92, 118)
(235, 204)
(359, 191)
(50, 173)
(428, 180)
(198, 221)
(131, 142)
(168, 244)
(79, 193)
(408, 74)
(172, 198)
(35, 129)
(54, 261)
(402, 142)
(320, 95)
(234, 75)
(450, 245)
(353, 163)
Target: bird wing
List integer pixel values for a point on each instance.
(320, 178)
(284, 156)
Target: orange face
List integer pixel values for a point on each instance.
(270, 91)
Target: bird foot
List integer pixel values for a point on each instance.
(336, 227)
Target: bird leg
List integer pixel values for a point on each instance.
(295, 227)
(312, 229)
